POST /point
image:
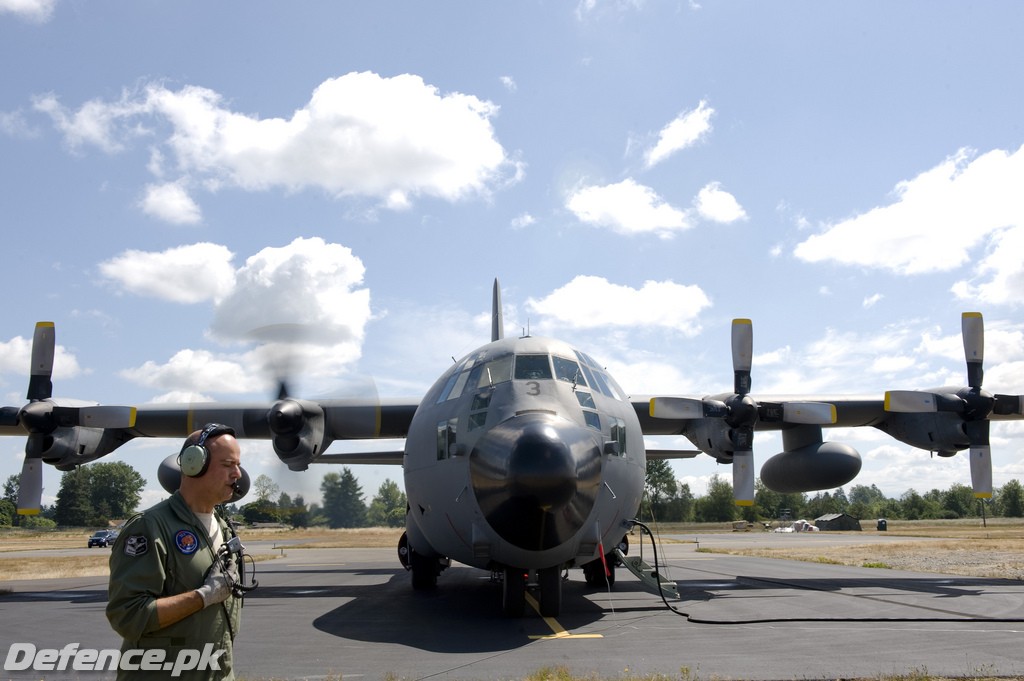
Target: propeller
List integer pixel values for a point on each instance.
(974, 405)
(741, 412)
(41, 416)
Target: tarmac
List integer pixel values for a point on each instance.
(352, 614)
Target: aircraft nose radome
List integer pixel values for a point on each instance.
(536, 478)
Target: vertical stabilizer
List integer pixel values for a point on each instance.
(497, 324)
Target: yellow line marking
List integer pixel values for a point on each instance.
(558, 629)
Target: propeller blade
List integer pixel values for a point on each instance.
(1008, 404)
(676, 408)
(981, 471)
(40, 387)
(742, 353)
(910, 401)
(743, 477)
(9, 416)
(30, 487)
(972, 326)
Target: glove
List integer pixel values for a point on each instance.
(217, 586)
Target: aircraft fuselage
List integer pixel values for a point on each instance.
(525, 454)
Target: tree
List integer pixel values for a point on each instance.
(660, 488)
(299, 515)
(343, 500)
(265, 487)
(718, 505)
(958, 502)
(8, 511)
(387, 509)
(10, 494)
(1011, 499)
(74, 508)
(115, 490)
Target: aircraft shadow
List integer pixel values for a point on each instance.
(462, 615)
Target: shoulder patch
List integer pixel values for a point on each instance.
(136, 545)
(186, 541)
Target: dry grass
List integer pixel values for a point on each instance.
(969, 548)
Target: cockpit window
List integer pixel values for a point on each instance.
(475, 375)
(532, 367)
(598, 379)
(568, 370)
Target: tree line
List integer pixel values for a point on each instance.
(668, 500)
(95, 495)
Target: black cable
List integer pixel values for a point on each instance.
(775, 620)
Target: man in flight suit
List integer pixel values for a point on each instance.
(168, 588)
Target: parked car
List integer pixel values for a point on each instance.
(102, 538)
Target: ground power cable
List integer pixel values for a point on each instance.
(777, 620)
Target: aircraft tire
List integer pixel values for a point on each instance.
(424, 571)
(594, 574)
(550, 580)
(513, 593)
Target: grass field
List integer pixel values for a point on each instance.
(969, 548)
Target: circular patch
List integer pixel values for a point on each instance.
(186, 541)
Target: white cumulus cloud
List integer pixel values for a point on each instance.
(683, 131)
(593, 302)
(36, 11)
(361, 134)
(627, 207)
(184, 274)
(935, 221)
(716, 204)
(171, 203)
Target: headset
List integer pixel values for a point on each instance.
(194, 459)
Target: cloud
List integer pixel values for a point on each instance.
(936, 219)
(684, 131)
(361, 134)
(589, 302)
(171, 203)
(716, 204)
(871, 301)
(1000, 274)
(35, 11)
(297, 309)
(16, 359)
(308, 284)
(189, 372)
(185, 274)
(627, 208)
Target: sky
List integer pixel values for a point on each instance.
(176, 178)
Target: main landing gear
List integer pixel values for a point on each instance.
(514, 583)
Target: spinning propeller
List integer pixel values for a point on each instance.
(741, 412)
(973, 404)
(42, 416)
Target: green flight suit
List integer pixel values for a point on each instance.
(162, 552)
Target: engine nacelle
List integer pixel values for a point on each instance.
(711, 436)
(298, 428)
(169, 476)
(816, 466)
(67, 448)
(941, 432)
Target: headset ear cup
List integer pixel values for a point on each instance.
(193, 461)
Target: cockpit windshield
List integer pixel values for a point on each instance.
(532, 367)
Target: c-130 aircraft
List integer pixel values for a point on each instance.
(525, 457)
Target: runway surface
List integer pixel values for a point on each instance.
(351, 613)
